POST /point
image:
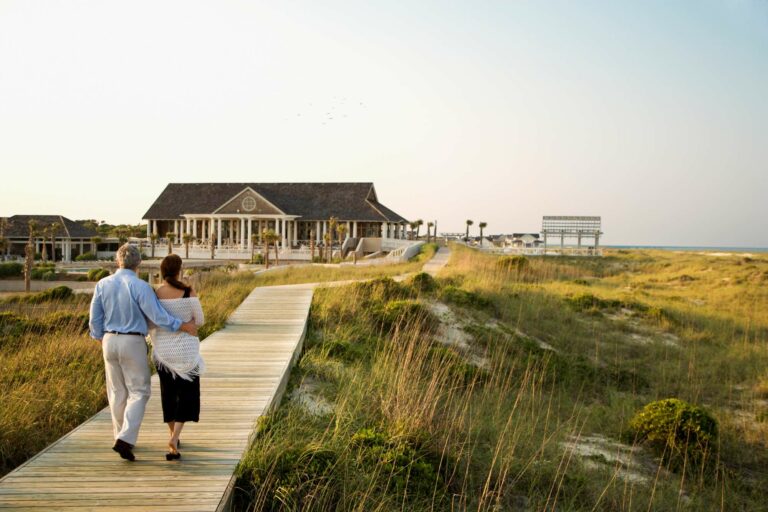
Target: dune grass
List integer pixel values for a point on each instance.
(563, 350)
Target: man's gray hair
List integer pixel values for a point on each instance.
(128, 256)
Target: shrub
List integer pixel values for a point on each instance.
(464, 298)
(97, 274)
(87, 256)
(293, 475)
(382, 290)
(423, 282)
(11, 269)
(676, 430)
(403, 461)
(587, 301)
(258, 259)
(48, 275)
(144, 276)
(405, 312)
(512, 263)
(53, 294)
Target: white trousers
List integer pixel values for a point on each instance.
(128, 383)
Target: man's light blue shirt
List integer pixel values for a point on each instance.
(122, 303)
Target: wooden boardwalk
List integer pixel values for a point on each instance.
(248, 365)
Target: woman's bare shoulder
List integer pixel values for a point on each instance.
(167, 292)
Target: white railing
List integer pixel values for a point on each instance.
(541, 251)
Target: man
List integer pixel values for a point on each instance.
(121, 305)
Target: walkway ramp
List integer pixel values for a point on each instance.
(248, 365)
(438, 261)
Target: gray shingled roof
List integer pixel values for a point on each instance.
(309, 201)
(18, 226)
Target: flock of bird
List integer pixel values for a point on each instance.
(340, 108)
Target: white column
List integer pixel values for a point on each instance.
(354, 229)
(295, 232)
(149, 228)
(283, 231)
(188, 226)
(219, 232)
(154, 226)
(242, 232)
(318, 235)
(250, 234)
(383, 230)
(194, 228)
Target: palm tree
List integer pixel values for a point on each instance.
(312, 245)
(3, 240)
(419, 223)
(122, 235)
(469, 223)
(276, 240)
(152, 242)
(53, 228)
(29, 253)
(332, 222)
(171, 237)
(270, 236)
(95, 241)
(328, 250)
(254, 239)
(429, 230)
(341, 229)
(187, 239)
(265, 238)
(482, 226)
(412, 225)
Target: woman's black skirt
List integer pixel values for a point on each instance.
(180, 398)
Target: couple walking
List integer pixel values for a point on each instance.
(124, 310)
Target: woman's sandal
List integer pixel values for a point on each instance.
(173, 456)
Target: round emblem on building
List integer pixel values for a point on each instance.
(249, 204)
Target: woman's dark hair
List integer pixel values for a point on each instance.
(170, 268)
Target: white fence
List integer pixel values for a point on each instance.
(541, 251)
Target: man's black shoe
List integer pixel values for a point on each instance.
(124, 449)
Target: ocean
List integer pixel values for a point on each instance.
(690, 248)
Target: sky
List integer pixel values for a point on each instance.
(651, 114)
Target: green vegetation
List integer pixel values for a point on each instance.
(86, 256)
(554, 397)
(11, 269)
(97, 274)
(677, 430)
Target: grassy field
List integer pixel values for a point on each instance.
(51, 371)
(511, 385)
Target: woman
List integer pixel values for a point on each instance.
(177, 355)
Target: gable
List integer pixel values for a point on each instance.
(249, 202)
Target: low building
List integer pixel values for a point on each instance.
(67, 240)
(228, 214)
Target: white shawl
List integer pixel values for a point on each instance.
(179, 352)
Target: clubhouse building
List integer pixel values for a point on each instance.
(61, 236)
(228, 214)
